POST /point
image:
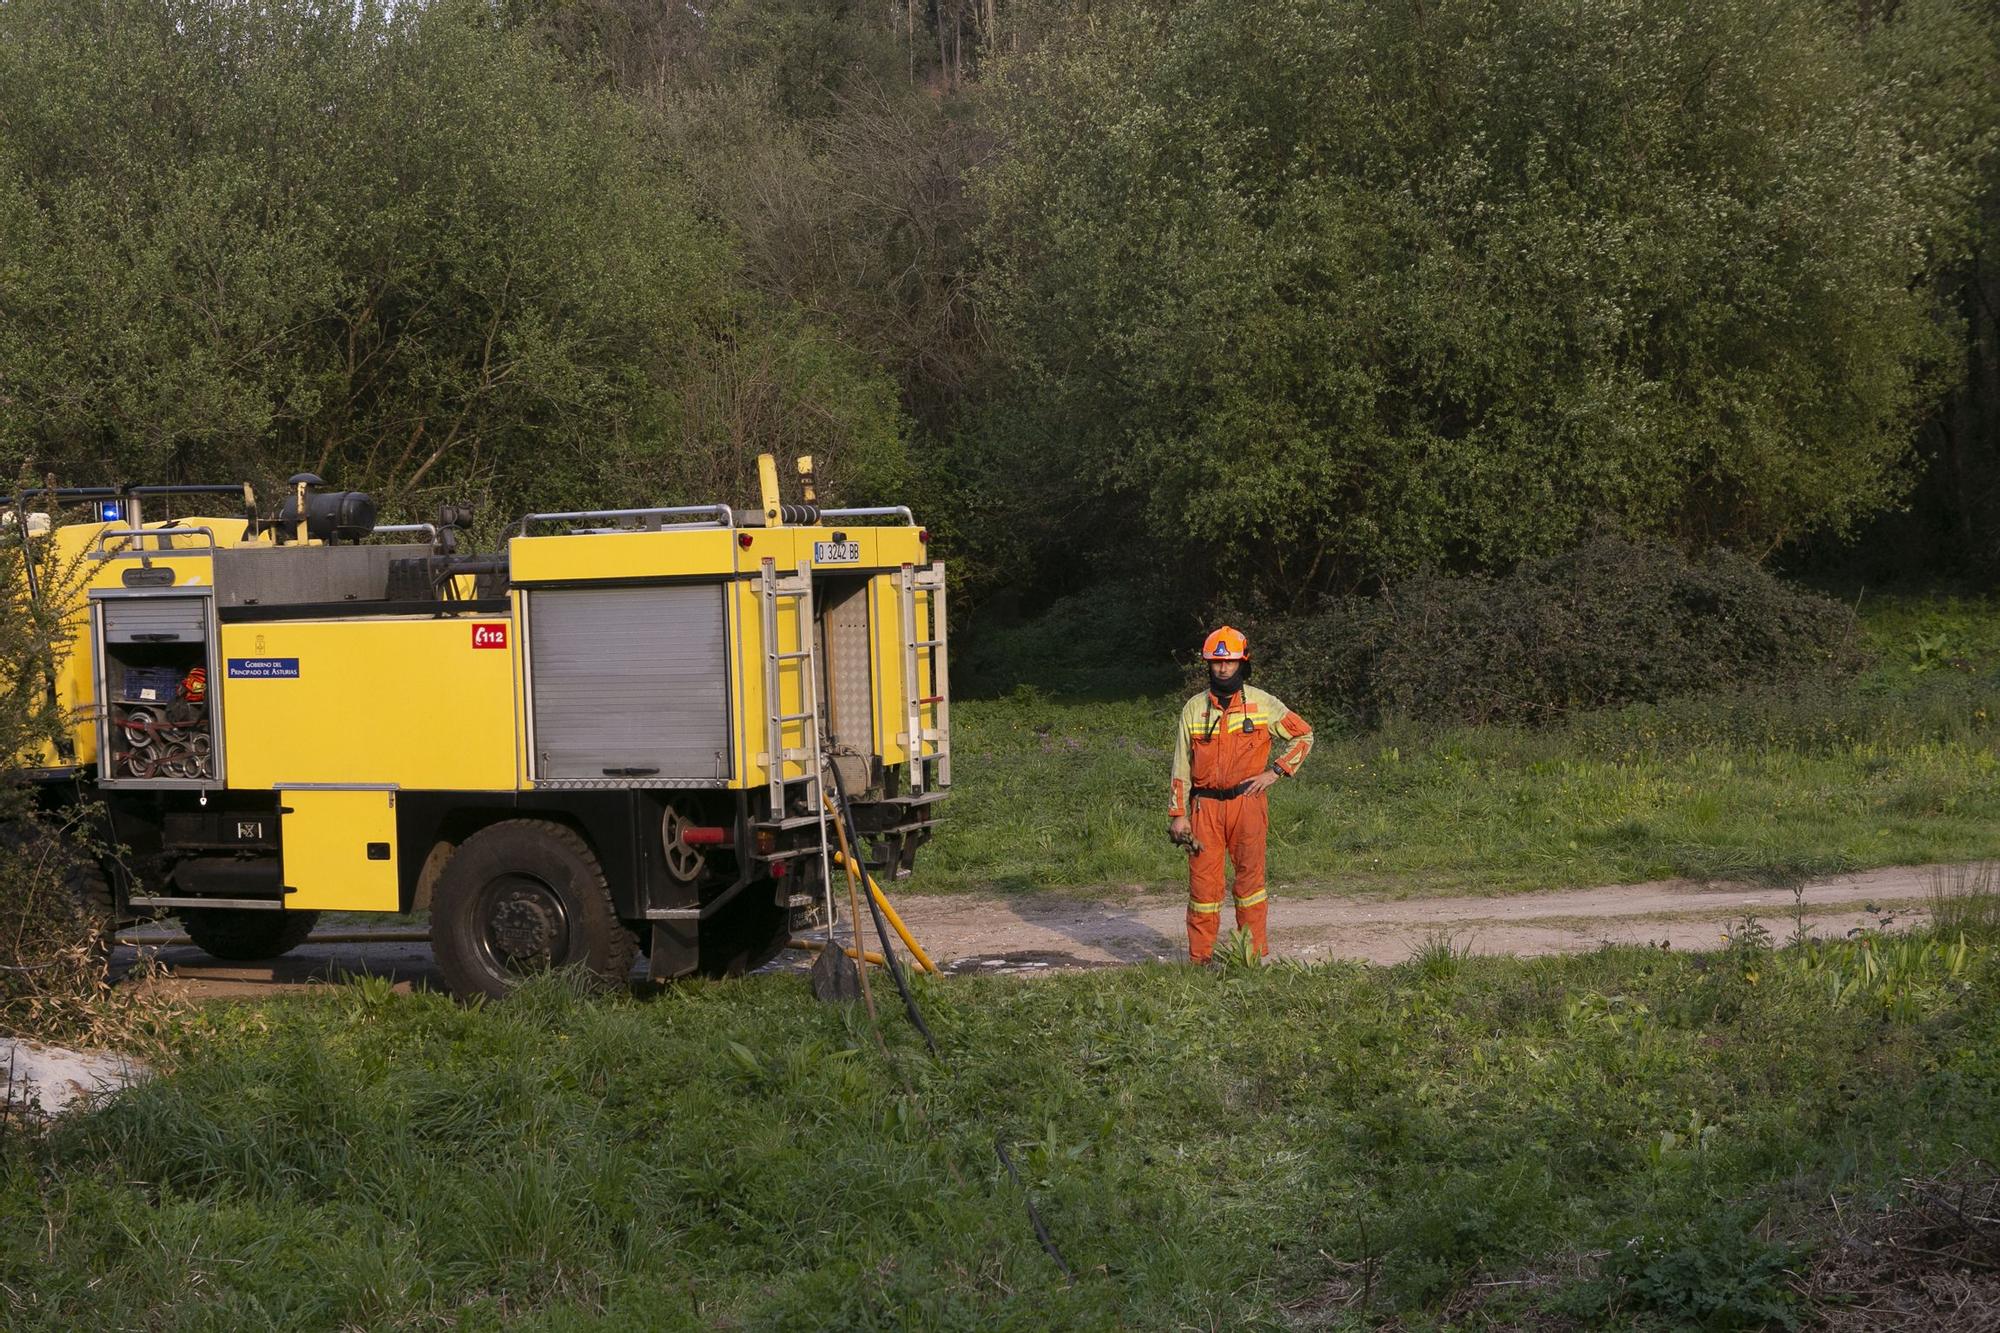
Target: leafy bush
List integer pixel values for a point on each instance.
(1613, 622)
(1107, 641)
(54, 908)
(52, 949)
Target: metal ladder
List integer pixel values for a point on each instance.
(925, 645)
(797, 589)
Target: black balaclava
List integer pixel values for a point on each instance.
(1224, 693)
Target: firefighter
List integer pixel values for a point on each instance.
(1234, 742)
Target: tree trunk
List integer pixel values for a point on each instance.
(944, 55)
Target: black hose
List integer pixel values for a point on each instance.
(896, 971)
(1034, 1218)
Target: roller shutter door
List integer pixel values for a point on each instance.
(155, 620)
(629, 683)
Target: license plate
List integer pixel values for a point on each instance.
(836, 553)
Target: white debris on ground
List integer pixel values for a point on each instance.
(52, 1079)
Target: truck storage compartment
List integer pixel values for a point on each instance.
(629, 684)
(156, 706)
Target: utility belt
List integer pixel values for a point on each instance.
(1222, 793)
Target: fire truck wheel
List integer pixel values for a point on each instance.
(90, 895)
(521, 897)
(86, 881)
(239, 935)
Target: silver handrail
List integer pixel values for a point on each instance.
(880, 511)
(664, 527)
(428, 529)
(140, 552)
(721, 515)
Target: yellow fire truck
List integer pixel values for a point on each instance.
(616, 734)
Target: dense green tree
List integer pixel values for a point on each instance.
(1938, 61)
(402, 246)
(1320, 290)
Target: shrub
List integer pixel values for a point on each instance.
(1613, 622)
(52, 946)
(54, 904)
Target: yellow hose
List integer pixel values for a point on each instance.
(882, 901)
(817, 946)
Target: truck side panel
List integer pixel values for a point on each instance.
(414, 703)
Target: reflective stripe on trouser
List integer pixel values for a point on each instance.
(1234, 829)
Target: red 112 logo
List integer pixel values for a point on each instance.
(489, 636)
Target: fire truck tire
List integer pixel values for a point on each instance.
(520, 897)
(85, 880)
(242, 935)
(90, 895)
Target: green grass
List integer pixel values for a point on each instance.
(1651, 1138)
(1898, 766)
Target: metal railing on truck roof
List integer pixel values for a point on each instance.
(879, 511)
(164, 535)
(716, 516)
(720, 516)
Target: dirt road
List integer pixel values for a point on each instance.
(1683, 914)
(1046, 932)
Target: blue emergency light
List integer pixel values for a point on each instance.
(111, 511)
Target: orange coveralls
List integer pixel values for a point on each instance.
(1216, 749)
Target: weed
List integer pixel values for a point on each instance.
(1965, 900)
(1928, 652)
(1715, 1272)
(1747, 947)
(1905, 978)
(1439, 956)
(1238, 952)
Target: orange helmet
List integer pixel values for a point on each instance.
(1226, 645)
